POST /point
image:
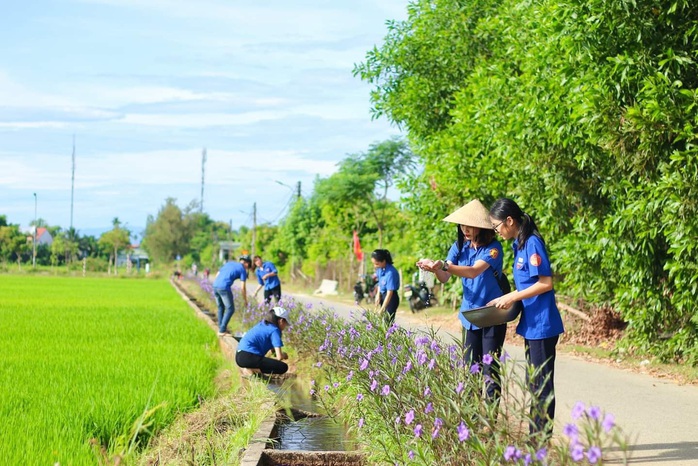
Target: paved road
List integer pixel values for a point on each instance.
(660, 416)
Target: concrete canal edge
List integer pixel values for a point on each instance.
(258, 452)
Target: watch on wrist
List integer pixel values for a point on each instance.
(445, 266)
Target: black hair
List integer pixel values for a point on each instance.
(504, 207)
(382, 255)
(484, 237)
(246, 259)
(272, 319)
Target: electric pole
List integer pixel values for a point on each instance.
(72, 186)
(203, 171)
(254, 228)
(298, 194)
(34, 242)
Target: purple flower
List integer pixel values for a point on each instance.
(608, 423)
(429, 408)
(475, 368)
(427, 392)
(422, 358)
(410, 454)
(319, 364)
(577, 452)
(418, 430)
(359, 397)
(408, 366)
(361, 423)
(409, 417)
(386, 390)
(463, 432)
(350, 376)
(512, 453)
(594, 412)
(312, 392)
(423, 340)
(571, 431)
(541, 454)
(594, 454)
(432, 364)
(364, 365)
(327, 388)
(369, 327)
(459, 388)
(374, 385)
(528, 459)
(397, 420)
(487, 359)
(578, 410)
(335, 385)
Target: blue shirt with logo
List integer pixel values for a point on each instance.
(388, 279)
(261, 338)
(484, 288)
(271, 282)
(230, 272)
(540, 317)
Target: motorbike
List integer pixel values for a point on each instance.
(358, 292)
(420, 297)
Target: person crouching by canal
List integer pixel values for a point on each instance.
(259, 340)
(387, 298)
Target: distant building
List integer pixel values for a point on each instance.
(226, 248)
(43, 236)
(135, 254)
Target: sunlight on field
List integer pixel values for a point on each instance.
(84, 358)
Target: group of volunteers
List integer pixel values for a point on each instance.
(266, 335)
(476, 256)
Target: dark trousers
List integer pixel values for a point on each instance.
(488, 340)
(540, 356)
(391, 308)
(274, 292)
(264, 364)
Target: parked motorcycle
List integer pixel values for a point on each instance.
(420, 297)
(358, 292)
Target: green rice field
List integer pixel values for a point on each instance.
(82, 359)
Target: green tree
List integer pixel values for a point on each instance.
(115, 240)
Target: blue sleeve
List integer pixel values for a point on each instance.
(538, 261)
(272, 267)
(243, 275)
(276, 338)
(258, 272)
(492, 254)
(453, 254)
(392, 281)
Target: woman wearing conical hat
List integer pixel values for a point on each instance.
(475, 256)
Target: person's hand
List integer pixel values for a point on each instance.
(284, 355)
(504, 302)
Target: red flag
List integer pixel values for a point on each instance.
(357, 247)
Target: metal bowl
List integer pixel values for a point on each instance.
(488, 316)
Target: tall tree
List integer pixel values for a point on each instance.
(115, 240)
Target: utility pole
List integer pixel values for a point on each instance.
(72, 186)
(34, 243)
(203, 171)
(254, 229)
(298, 194)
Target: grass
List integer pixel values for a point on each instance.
(85, 358)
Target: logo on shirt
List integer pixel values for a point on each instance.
(519, 263)
(535, 260)
(494, 253)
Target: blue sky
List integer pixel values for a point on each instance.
(144, 85)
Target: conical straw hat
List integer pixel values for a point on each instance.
(472, 214)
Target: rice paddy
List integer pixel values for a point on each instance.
(84, 358)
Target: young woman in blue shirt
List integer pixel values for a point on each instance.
(475, 257)
(259, 340)
(387, 298)
(540, 323)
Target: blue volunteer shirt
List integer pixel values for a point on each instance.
(271, 282)
(540, 317)
(230, 272)
(484, 288)
(261, 338)
(388, 279)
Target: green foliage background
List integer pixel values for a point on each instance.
(585, 113)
